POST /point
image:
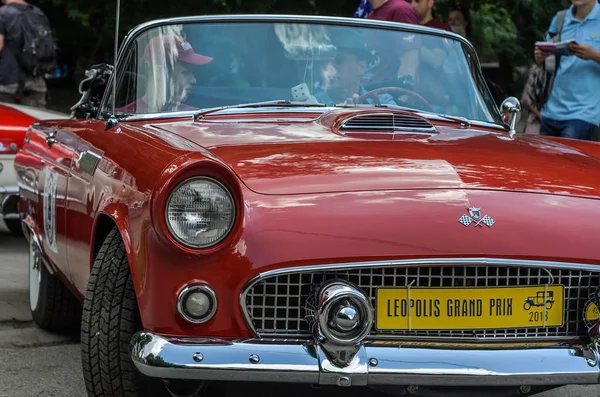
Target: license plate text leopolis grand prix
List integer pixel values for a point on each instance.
(421, 308)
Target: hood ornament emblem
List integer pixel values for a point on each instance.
(476, 218)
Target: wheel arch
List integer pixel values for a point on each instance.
(106, 220)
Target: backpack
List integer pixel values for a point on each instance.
(38, 55)
(544, 76)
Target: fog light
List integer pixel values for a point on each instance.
(197, 303)
(345, 316)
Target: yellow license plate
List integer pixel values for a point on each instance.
(422, 308)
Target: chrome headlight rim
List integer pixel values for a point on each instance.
(185, 243)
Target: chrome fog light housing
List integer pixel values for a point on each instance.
(200, 212)
(345, 315)
(197, 303)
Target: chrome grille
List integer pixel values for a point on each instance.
(275, 304)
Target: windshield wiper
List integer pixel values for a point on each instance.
(265, 104)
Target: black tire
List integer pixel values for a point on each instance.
(109, 320)
(14, 226)
(56, 309)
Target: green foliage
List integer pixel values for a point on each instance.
(494, 33)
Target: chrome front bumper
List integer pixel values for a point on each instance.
(220, 360)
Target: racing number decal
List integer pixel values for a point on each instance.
(50, 185)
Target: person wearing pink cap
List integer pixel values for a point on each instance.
(168, 59)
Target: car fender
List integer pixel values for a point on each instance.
(118, 214)
(34, 234)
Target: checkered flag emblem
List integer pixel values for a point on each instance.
(488, 221)
(465, 220)
(476, 218)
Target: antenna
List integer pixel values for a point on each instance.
(114, 95)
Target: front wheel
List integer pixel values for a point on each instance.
(110, 319)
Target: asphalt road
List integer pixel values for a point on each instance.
(38, 363)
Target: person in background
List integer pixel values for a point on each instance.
(432, 53)
(14, 80)
(398, 60)
(364, 8)
(460, 23)
(534, 117)
(424, 10)
(458, 19)
(573, 107)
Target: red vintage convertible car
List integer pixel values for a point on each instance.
(284, 199)
(14, 121)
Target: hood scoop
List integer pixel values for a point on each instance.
(385, 124)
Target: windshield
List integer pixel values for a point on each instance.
(202, 65)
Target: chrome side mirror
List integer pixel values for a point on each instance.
(511, 110)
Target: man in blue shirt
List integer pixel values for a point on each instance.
(573, 108)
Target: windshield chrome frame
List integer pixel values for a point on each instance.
(134, 33)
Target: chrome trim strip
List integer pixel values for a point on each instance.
(485, 124)
(160, 116)
(234, 110)
(322, 110)
(474, 343)
(406, 263)
(138, 30)
(214, 359)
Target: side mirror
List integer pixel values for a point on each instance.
(511, 110)
(92, 89)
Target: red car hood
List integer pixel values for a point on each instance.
(309, 156)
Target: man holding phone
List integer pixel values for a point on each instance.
(573, 107)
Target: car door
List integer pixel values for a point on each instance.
(89, 172)
(56, 147)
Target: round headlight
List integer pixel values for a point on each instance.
(200, 212)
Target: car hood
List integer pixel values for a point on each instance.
(275, 156)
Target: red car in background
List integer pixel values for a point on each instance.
(269, 199)
(14, 122)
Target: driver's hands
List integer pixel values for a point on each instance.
(353, 100)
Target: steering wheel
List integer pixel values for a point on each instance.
(396, 92)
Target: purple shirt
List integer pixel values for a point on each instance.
(395, 11)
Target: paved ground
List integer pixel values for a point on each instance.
(32, 362)
(38, 363)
